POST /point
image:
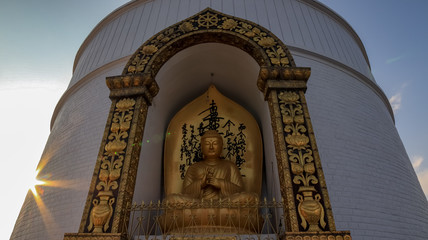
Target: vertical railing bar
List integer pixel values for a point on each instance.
(133, 222)
(140, 219)
(149, 218)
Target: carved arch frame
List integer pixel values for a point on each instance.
(210, 26)
(283, 85)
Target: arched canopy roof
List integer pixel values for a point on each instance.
(209, 26)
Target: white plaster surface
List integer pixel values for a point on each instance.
(68, 163)
(297, 23)
(372, 186)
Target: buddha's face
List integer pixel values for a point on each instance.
(211, 147)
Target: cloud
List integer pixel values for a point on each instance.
(423, 179)
(395, 101)
(417, 161)
(391, 60)
(421, 172)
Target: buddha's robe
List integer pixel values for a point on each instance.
(226, 171)
(230, 181)
(182, 213)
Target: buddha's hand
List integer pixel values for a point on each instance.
(204, 181)
(210, 172)
(208, 175)
(215, 182)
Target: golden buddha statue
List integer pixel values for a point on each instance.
(212, 178)
(212, 197)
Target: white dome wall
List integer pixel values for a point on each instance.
(373, 188)
(67, 163)
(299, 24)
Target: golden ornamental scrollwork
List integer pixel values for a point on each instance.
(273, 49)
(111, 166)
(275, 52)
(301, 160)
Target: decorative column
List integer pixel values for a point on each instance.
(113, 181)
(307, 209)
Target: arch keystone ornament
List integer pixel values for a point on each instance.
(308, 214)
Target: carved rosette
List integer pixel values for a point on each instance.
(111, 167)
(273, 51)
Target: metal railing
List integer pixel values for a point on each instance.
(206, 220)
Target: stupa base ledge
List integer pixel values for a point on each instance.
(334, 235)
(94, 236)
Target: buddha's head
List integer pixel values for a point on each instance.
(211, 144)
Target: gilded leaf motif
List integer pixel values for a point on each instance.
(267, 42)
(186, 27)
(309, 168)
(124, 126)
(115, 127)
(131, 69)
(278, 56)
(299, 119)
(287, 119)
(161, 38)
(297, 141)
(296, 168)
(115, 147)
(229, 24)
(125, 104)
(114, 174)
(149, 49)
(288, 97)
(285, 62)
(103, 175)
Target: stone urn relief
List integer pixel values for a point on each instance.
(101, 212)
(310, 209)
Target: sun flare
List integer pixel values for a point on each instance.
(36, 182)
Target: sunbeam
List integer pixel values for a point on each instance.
(36, 182)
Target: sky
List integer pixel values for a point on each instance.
(39, 40)
(395, 36)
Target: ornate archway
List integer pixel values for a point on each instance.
(210, 26)
(307, 206)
